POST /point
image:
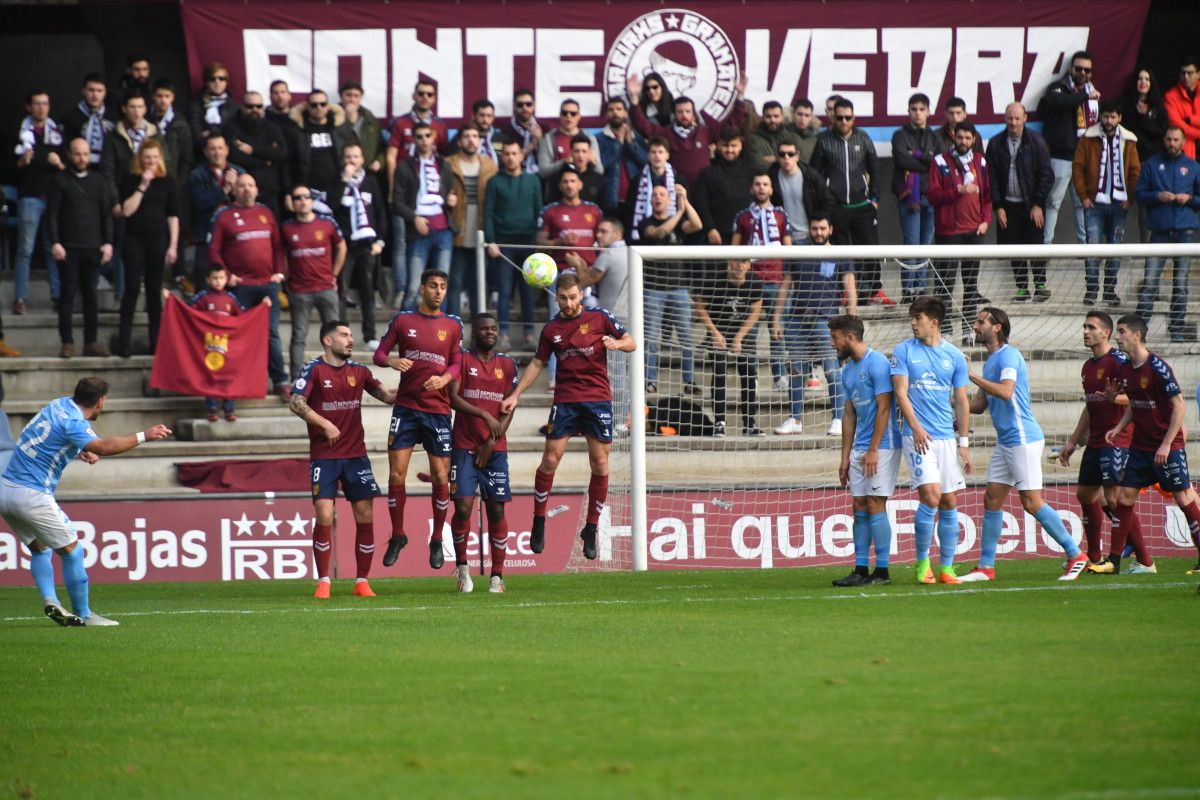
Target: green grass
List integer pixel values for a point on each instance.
(735, 684)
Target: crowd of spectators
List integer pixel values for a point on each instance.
(125, 190)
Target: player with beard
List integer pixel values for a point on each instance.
(479, 450)
(580, 339)
(328, 396)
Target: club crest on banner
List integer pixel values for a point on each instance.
(694, 56)
(216, 347)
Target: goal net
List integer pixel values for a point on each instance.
(734, 447)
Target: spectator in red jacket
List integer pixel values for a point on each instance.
(1183, 104)
(961, 195)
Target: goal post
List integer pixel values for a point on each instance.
(697, 500)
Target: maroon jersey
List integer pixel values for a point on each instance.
(336, 394)
(1150, 388)
(483, 384)
(221, 304)
(246, 242)
(1103, 414)
(562, 145)
(402, 134)
(310, 247)
(580, 220)
(582, 375)
(763, 226)
(434, 344)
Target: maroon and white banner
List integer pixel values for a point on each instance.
(989, 52)
(219, 539)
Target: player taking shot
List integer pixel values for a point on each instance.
(479, 449)
(328, 396)
(870, 448)
(428, 351)
(580, 339)
(1017, 459)
(1156, 410)
(929, 377)
(60, 433)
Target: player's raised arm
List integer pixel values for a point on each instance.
(1002, 389)
(115, 445)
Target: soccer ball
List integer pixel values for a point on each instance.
(539, 270)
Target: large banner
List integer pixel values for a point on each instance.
(989, 52)
(222, 539)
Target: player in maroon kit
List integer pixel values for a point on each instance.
(580, 339)
(571, 221)
(479, 448)
(1102, 463)
(328, 396)
(1156, 455)
(429, 354)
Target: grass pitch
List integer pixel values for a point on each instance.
(731, 684)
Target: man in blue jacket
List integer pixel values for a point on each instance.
(1169, 190)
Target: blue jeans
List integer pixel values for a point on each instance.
(916, 226)
(1062, 187)
(399, 259)
(250, 296)
(507, 278)
(807, 335)
(778, 348)
(1105, 225)
(1154, 270)
(676, 304)
(426, 252)
(29, 220)
(462, 279)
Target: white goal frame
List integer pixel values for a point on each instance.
(638, 255)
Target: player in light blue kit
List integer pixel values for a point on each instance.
(929, 377)
(870, 447)
(1017, 459)
(60, 433)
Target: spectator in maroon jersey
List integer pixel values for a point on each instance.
(525, 129)
(580, 340)
(691, 135)
(571, 221)
(245, 240)
(328, 396)
(554, 151)
(479, 449)
(316, 253)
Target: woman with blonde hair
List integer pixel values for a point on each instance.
(150, 206)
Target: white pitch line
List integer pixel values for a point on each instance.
(648, 601)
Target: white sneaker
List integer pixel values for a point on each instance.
(790, 426)
(782, 384)
(1138, 568)
(373, 345)
(465, 584)
(496, 585)
(835, 428)
(99, 621)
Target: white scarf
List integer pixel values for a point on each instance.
(964, 165)
(360, 220)
(530, 163)
(95, 129)
(641, 207)
(1111, 185)
(485, 145)
(766, 226)
(1089, 114)
(166, 120)
(429, 186)
(27, 138)
(136, 137)
(212, 108)
(681, 131)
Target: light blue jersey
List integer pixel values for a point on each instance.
(1012, 418)
(933, 374)
(863, 381)
(48, 443)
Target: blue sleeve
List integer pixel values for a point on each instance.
(79, 432)
(881, 376)
(896, 362)
(961, 377)
(1010, 359)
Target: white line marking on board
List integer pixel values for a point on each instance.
(456, 608)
